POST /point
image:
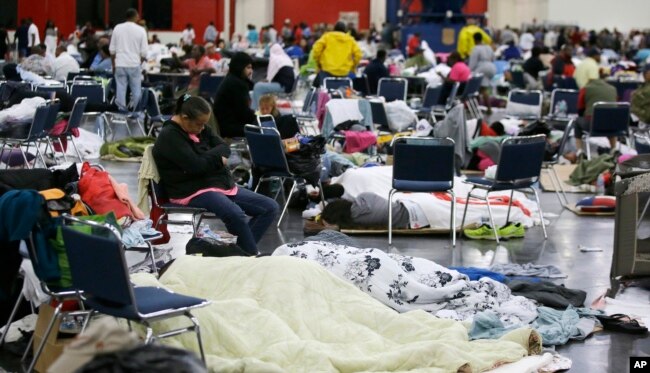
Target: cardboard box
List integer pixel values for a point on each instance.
(54, 344)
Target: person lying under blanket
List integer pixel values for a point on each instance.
(371, 210)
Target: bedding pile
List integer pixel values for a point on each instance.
(284, 314)
(437, 209)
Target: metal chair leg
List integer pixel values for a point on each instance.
(197, 330)
(561, 186)
(390, 216)
(286, 203)
(41, 346)
(494, 227)
(587, 147)
(512, 193)
(462, 222)
(11, 318)
(541, 214)
(153, 259)
(453, 218)
(74, 145)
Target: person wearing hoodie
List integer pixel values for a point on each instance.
(279, 75)
(336, 53)
(232, 103)
(192, 162)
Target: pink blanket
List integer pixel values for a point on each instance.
(356, 141)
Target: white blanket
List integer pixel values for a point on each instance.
(282, 314)
(24, 111)
(343, 110)
(379, 180)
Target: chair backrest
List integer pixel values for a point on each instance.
(518, 79)
(392, 89)
(77, 113)
(569, 96)
(566, 83)
(431, 96)
(209, 84)
(566, 136)
(361, 84)
(448, 94)
(78, 78)
(524, 103)
(379, 115)
(472, 87)
(97, 263)
(57, 88)
(52, 115)
(151, 104)
(94, 92)
(266, 149)
(642, 143)
(39, 121)
(610, 118)
(521, 158)
(410, 169)
(332, 83)
(310, 98)
(266, 121)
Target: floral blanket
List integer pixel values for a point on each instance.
(405, 283)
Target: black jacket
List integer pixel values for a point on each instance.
(375, 71)
(232, 103)
(186, 167)
(285, 77)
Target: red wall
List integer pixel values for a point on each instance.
(319, 11)
(476, 7)
(199, 13)
(62, 12)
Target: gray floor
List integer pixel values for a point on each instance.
(589, 271)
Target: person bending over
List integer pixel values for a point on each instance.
(192, 163)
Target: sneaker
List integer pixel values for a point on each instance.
(484, 232)
(512, 230)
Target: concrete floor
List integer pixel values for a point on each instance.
(588, 271)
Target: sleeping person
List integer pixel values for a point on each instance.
(371, 210)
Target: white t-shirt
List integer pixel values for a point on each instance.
(128, 44)
(63, 65)
(188, 36)
(33, 30)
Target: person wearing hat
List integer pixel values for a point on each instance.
(232, 103)
(641, 98)
(588, 69)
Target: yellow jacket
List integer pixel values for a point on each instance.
(466, 39)
(336, 53)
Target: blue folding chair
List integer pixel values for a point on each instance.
(519, 166)
(379, 116)
(92, 90)
(99, 269)
(268, 157)
(266, 121)
(208, 86)
(153, 117)
(470, 95)
(518, 80)
(642, 143)
(74, 121)
(27, 134)
(392, 89)
(524, 104)
(549, 165)
(566, 83)
(609, 119)
(361, 84)
(334, 83)
(570, 98)
(437, 175)
(49, 88)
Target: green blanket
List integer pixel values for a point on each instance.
(129, 147)
(283, 314)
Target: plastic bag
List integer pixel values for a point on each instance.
(400, 116)
(306, 162)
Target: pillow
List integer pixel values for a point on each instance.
(597, 204)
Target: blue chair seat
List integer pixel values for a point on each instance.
(493, 185)
(422, 186)
(148, 300)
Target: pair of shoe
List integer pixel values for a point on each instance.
(485, 232)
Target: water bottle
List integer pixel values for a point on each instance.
(600, 185)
